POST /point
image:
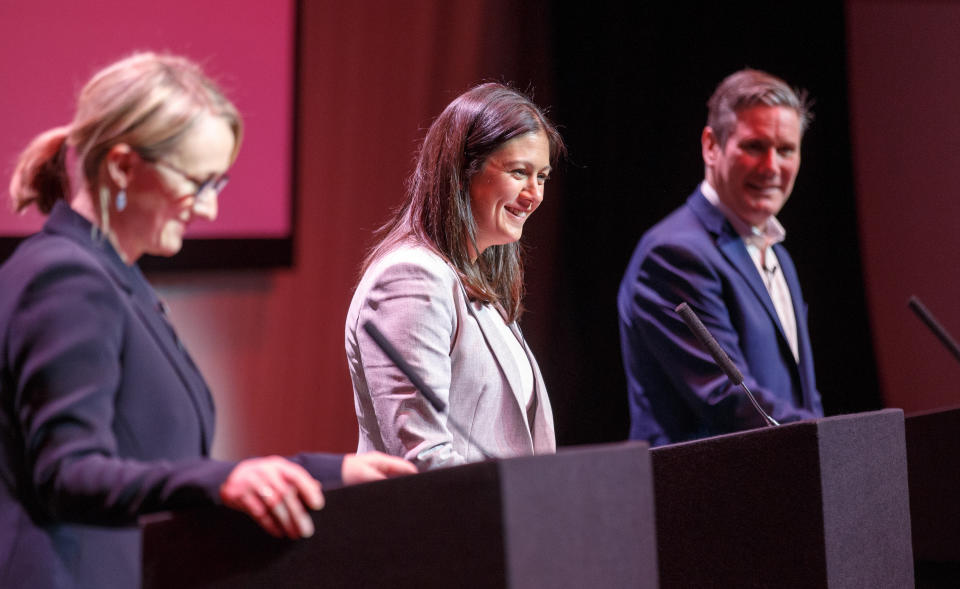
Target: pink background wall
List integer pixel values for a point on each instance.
(50, 48)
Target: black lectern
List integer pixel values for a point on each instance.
(820, 503)
(933, 460)
(581, 518)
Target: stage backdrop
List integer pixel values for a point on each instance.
(50, 48)
(372, 77)
(904, 91)
(628, 89)
(632, 82)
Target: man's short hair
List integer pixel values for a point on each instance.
(746, 88)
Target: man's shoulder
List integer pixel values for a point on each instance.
(679, 240)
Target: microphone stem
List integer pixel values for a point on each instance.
(767, 418)
(418, 383)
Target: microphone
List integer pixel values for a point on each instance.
(720, 357)
(439, 406)
(920, 311)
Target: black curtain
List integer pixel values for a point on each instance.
(630, 85)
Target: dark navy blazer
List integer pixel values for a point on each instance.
(676, 392)
(104, 415)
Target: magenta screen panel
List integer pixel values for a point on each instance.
(50, 48)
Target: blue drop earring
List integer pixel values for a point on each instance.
(121, 200)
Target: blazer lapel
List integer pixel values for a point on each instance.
(805, 366)
(544, 439)
(64, 221)
(149, 309)
(732, 248)
(501, 353)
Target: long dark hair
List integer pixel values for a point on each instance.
(437, 210)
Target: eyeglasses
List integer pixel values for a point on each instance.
(206, 189)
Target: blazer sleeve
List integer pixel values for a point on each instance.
(672, 273)
(64, 349)
(412, 302)
(326, 468)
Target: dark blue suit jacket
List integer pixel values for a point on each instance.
(676, 392)
(104, 415)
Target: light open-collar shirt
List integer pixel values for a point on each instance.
(759, 242)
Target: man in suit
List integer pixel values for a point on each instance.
(721, 253)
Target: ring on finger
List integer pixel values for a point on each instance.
(281, 513)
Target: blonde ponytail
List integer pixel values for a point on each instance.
(40, 177)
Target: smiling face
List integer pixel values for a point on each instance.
(753, 173)
(162, 202)
(508, 188)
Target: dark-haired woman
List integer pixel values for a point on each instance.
(444, 284)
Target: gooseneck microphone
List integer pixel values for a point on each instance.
(387, 348)
(720, 357)
(920, 311)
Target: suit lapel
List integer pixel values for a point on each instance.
(732, 248)
(150, 313)
(64, 221)
(803, 336)
(501, 353)
(544, 440)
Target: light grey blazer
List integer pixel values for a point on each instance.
(418, 302)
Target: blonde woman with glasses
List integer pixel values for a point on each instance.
(104, 415)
